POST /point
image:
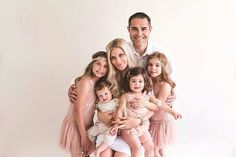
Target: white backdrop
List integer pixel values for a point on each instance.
(46, 43)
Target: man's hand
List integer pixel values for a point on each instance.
(171, 98)
(72, 93)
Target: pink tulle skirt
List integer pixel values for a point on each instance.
(162, 132)
(70, 138)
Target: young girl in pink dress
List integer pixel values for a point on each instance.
(136, 85)
(79, 118)
(161, 124)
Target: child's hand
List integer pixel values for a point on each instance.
(177, 115)
(85, 144)
(114, 129)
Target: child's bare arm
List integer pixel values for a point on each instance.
(146, 117)
(121, 107)
(165, 91)
(119, 114)
(151, 106)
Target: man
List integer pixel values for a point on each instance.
(139, 28)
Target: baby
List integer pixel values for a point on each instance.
(105, 103)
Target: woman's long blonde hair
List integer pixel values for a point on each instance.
(115, 77)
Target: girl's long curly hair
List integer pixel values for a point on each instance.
(164, 76)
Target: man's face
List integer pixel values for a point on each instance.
(139, 31)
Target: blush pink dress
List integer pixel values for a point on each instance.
(69, 135)
(162, 128)
(136, 113)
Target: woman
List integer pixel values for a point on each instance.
(119, 61)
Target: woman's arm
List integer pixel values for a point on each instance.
(121, 107)
(105, 117)
(143, 101)
(83, 88)
(119, 114)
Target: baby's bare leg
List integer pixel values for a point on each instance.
(134, 143)
(103, 146)
(147, 143)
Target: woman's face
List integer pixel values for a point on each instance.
(118, 59)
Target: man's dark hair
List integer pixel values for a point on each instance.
(140, 15)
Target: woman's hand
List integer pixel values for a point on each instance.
(129, 122)
(138, 102)
(72, 93)
(105, 117)
(85, 144)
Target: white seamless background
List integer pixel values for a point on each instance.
(44, 44)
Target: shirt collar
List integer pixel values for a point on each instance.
(147, 51)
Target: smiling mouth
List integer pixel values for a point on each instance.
(99, 73)
(120, 65)
(139, 38)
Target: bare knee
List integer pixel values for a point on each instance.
(136, 146)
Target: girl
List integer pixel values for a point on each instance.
(136, 85)
(80, 115)
(161, 126)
